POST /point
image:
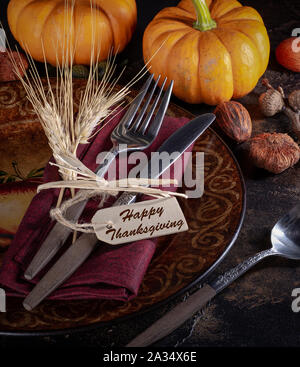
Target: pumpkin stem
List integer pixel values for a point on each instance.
(204, 21)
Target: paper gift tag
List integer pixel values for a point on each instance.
(146, 219)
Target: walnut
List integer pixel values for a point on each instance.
(274, 152)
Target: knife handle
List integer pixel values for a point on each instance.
(60, 233)
(174, 318)
(65, 266)
(69, 262)
(53, 242)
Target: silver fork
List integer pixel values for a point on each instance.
(130, 134)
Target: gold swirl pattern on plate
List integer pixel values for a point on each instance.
(8, 97)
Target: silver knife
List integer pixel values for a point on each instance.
(59, 233)
(195, 302)
(174, 318)
(76, 254)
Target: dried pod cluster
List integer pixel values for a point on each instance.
(234, 120)
(274, 152)
(273, 101)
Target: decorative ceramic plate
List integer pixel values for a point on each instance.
(180, 261)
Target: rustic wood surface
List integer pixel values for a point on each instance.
(256, 309)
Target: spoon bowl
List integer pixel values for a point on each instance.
(285, 238)
(285, 235)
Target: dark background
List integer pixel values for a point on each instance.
(256, 309)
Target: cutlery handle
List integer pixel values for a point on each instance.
(107, 160)
(185, 310)
(69, 262)
(53, 242)
(62, 270)
(59, 233)
(222, 281)
(174, 318)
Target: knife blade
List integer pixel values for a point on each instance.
(194, 302)
(183, 311)
(76, 254)
(59, 233)
(174, 318)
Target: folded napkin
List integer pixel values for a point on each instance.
(110, 272)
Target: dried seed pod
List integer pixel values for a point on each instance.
(294, 118)
(294, 100)
(274, 152)
(271, 101)
(234, 120)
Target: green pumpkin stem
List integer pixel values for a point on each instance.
(204, 21)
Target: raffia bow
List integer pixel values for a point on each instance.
(92, 185)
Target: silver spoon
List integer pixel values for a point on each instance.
(285, 239)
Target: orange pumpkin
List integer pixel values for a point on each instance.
(214, 50)
(50, 24)
(288, 54)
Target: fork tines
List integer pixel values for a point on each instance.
(141, 124)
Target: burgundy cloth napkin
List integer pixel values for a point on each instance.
(110, 272)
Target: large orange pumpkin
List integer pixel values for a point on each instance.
(48, 24)
(213, 51)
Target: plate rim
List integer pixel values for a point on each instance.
(201, 278)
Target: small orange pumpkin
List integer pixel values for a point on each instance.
(214, 50)
(38, 24)
(288, 54)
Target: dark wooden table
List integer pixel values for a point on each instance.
(256, 309)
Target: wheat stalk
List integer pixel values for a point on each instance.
(55, 109)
